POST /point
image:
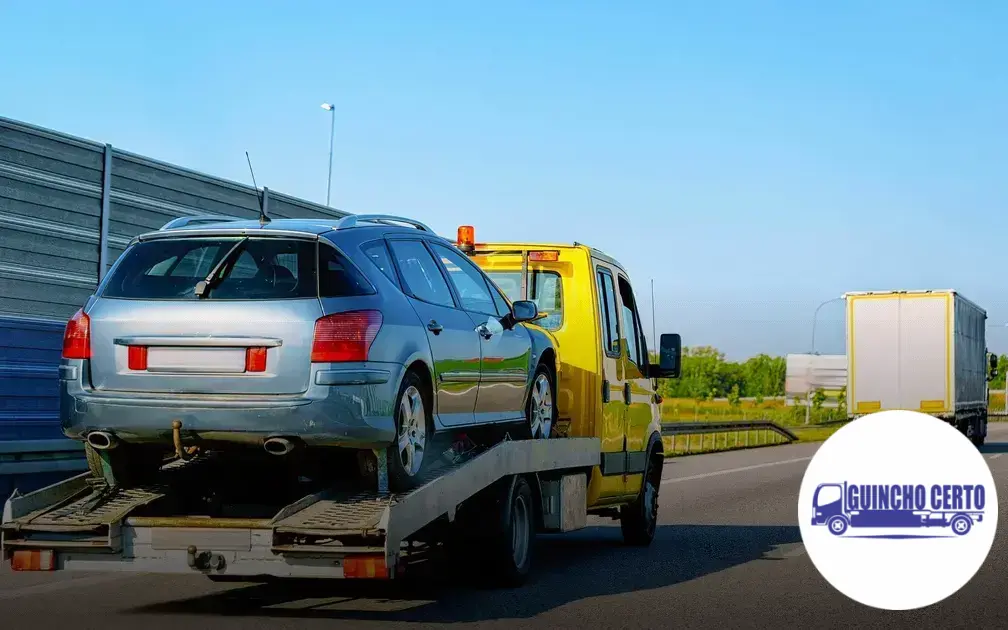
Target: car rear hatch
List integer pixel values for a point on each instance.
(250, 332)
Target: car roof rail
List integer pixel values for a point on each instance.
(351, 220)
(207, 218)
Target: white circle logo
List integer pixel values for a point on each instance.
(898, 510)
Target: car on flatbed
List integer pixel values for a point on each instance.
(293, 335)
(483, 501)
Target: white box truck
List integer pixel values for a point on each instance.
(922, 351)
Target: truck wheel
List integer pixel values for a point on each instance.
(125, 466)
(408, 459)
(540, 411)
(639, 520)
(837, 525)
(961, 525)
(513, 547)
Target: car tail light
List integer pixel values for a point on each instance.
(369, 566)
(77, 337)
(343, 337)
(33, 560)
(137, 357)
(255, 359)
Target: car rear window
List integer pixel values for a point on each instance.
(545, 289)
(169, 269)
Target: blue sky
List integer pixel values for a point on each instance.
(754, 158)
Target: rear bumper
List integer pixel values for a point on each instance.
(346, 406)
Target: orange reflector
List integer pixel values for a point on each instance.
(255, 359)
(551, 256)
(33, 560)
(137, 356)
(365, 567)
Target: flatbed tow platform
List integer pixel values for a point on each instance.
(491, 497)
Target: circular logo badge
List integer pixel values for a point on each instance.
(898, 510)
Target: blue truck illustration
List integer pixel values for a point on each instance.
(840, 506)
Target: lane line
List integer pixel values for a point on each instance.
(733, 470)
(995, 456)
(49, 587)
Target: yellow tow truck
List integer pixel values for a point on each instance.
(603, 457)
(606, 383)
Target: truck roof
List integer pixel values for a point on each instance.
(575, 245)
(952, 292)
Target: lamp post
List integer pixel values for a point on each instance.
(332, 134)
(815, 319)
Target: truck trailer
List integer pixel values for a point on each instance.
(921, 351)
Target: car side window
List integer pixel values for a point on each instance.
(631, 320)
(502, 306)
(338, 277)
(421, 273)
(378, 254)
(468, 280)
(607, 308)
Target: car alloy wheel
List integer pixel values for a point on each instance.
(541, 407)
(412, 440)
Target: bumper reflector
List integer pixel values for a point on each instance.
(33, 560)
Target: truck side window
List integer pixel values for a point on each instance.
(607, 307)
(631, 319)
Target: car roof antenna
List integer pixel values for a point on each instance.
(263, 218)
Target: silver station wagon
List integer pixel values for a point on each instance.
(365, 333)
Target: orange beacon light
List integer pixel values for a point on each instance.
(466, 238)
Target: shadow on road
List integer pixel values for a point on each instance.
(590, 563)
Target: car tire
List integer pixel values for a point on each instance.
(639, 520)
(414, 428)
(540, 408)
(124, 466)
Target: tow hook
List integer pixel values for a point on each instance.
(180, 451)
(204, 560)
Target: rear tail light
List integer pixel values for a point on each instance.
(77, 337)
(255, 359)
(344, 337)
(137, 357)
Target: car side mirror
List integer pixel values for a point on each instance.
(524, 311)
(669, 357)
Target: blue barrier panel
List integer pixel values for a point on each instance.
(29, 394)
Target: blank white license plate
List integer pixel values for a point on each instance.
(196, 360)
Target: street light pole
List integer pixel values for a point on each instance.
(815, 319)
(332, 136)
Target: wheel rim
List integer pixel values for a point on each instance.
(651, 504)
(960, 526)
(519, 530)
(541, 416)
(412, 431)
(838, 526)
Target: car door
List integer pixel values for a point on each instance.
(613, 421)
(638, 392)
(454, 342)
(506, 354)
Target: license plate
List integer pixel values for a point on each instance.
(196, 360)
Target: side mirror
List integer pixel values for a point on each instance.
(524, 311)
(669, 357)
(993, 372)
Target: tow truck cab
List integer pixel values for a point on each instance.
(606, 386)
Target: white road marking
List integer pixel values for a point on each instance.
(995, 455)
(49, 587)
(733, 470)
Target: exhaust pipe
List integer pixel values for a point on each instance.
(278, 446)
(101, 440)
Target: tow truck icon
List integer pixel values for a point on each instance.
(832, 507)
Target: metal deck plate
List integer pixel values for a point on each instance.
(351, 514)
(107, 511)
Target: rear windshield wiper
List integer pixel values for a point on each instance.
(204, 285)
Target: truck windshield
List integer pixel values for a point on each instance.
(169, 269)
(545, 289)
(827, 495)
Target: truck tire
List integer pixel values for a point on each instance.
(540, 410)
(639, 520)
(961, 525)
(414, 428)
(511, 548)
(837, 525)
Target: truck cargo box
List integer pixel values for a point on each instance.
(916, 350)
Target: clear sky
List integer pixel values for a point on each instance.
(753, 158)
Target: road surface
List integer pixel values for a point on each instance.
(727, 553)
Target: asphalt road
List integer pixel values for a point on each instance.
(728, 553)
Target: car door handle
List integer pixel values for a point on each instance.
(434, 327)
(626, 392)
(484, 332)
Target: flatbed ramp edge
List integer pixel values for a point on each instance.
(72, 525)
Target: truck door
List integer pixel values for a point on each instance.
(613, 421)
(638, 392)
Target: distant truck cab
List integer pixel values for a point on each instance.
(607, 382)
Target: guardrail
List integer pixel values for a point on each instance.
(763, 432)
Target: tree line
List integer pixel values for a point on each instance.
(706, 374)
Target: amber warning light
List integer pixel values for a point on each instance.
(549, 256)
(466, 238)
